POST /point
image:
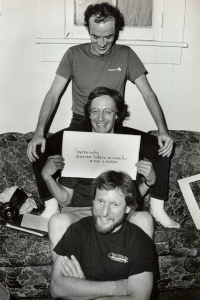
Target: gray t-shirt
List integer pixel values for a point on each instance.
(88, 71)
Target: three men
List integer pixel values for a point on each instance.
(104, 255)
(88, 66)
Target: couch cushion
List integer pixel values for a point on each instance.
(15, 168)
(25, 263)
(23, 249)
(179, 272)
(33, 281)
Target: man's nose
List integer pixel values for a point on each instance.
(102, 42)
(101, 115)
(106, 210)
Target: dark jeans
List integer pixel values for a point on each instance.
(149, 149)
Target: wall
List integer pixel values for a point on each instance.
(177, 86)
(24, 80)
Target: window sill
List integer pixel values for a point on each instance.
(150, 52)
(74, 41)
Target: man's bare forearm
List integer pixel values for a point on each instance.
(156, 111)
(143, 189)
(58, 192)
(152, 102)
(46, 111)
(75, 288)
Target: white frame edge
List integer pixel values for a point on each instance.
(189, 198)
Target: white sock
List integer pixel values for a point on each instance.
(51, 208)
(158, 212)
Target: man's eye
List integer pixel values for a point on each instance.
(94, 111)
(109, 37)
(95, 37)
(108, 112)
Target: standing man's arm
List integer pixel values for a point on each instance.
(48, 106)
(157, 114)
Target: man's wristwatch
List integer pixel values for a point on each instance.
(150, 186)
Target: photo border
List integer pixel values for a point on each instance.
(189, 198)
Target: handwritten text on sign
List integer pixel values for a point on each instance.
(88, 154)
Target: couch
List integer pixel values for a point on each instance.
(25, 261)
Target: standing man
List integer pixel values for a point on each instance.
(104, 256)
(91, 65)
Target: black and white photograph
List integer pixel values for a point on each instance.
(99, 149)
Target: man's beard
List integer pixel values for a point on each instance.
(107, 229)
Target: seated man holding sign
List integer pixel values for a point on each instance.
(105, 109)
(113, 123)
(105, 256)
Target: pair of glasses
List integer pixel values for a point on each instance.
(106, 112)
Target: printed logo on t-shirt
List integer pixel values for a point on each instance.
(118, 257)
(112, 70)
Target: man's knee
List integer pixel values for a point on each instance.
(144, 220)
(57, 220)
(61, 221)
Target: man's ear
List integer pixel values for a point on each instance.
(128, 209)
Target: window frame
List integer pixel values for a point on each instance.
(129, 33)
(165, 48)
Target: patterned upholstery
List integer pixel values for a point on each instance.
(15, 168)
(25, 261)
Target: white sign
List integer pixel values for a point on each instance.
(88, 154)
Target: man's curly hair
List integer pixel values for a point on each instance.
(104, 12)
(121, 107)
(111, 180)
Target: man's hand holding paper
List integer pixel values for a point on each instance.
(53, 164)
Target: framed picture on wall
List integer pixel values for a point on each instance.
(190, 187)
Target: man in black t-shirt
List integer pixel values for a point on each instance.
(104, 255)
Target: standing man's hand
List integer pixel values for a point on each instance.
(164, 140)
(31, 150)
(48, 106)
(166, 144)
(72, 268)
